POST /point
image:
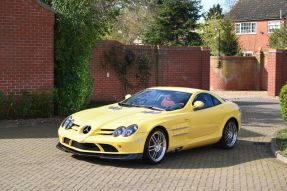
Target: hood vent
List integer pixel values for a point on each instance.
(151, 112)
(116, 108)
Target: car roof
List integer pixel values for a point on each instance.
(180, 89)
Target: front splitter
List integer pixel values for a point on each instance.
(101, 155)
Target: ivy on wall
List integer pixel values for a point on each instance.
(125, 61)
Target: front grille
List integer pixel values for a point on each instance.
(90, 146)
(108, 148)
(67, 141)
(85, 146)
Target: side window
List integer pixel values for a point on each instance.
(215, 101)
(205, 98)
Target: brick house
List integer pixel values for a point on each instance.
(255, 20)
(26, 46)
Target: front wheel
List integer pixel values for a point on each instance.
(229, 135)
(155, 146)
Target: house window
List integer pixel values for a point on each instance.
(245, 28)
(273, 25)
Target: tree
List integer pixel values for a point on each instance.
(278, 40)
(131, 22)
(214, 12)
(174, 24)
(229, 42)
(78, 24)
(229, 4)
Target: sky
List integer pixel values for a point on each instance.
(209, 3)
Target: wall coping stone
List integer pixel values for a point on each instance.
(45, 6)
(276, 51)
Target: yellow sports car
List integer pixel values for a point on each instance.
(151, 123)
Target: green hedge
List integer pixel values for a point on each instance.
(78, 24)
(283, 102)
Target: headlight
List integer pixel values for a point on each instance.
(130, 130)
(68, 122)
(119, 131)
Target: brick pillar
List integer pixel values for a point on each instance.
(275, 64)
(205, 68)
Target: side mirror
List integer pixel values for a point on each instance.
(198, 104)
(128, 96)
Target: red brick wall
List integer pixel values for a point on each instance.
(235, 73)
(251, 42)
(177, 66)
(266, 71)
(26, 46)
(277, 71)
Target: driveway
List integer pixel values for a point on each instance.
(29, 160)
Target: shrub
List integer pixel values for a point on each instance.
(283, 102)
(35, 104)
(7, 106)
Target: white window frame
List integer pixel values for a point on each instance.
(240, 28)
(248, 52)
(273, 21)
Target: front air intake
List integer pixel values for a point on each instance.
(85, 146)
(108, 148)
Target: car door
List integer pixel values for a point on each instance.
(204, 121)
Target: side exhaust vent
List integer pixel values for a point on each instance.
(176, 149)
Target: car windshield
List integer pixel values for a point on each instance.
(158, 100)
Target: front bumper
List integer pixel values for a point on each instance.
(101, 155)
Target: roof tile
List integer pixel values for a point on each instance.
(247, 10)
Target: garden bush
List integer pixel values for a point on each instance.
(27, 105)
(283, 102)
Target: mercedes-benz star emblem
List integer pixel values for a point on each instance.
(87, 129)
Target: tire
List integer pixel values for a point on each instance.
(229, 135)
(155, 146)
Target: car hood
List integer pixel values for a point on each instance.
(113, 116)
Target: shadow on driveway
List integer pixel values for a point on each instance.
(197, 158)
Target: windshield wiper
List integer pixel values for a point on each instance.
(145, 106)
(128, 104)
(152, 107)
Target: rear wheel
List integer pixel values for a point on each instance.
(229, 135)
(155, 146)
